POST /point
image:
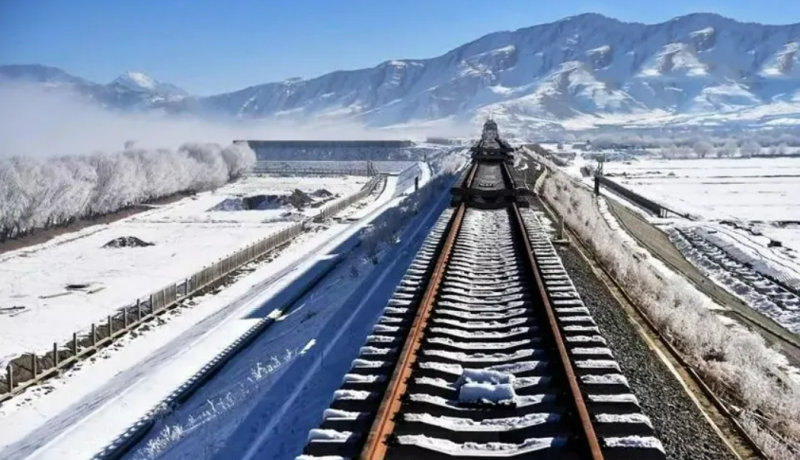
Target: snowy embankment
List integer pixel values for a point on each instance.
(223, 421)
(737, 359)
(46, 193)
(186, 235)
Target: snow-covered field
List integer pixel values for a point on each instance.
(755, 189)
(186, 236)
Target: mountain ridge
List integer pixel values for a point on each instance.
(586, 67)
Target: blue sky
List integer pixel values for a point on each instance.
(209, 46)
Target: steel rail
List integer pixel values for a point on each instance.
(589, 435)
(375, 446)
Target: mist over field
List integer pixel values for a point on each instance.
(39, 123)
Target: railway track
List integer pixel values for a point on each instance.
(485, 350)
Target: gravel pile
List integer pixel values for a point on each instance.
(679, 425)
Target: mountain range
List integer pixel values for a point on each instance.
(579, 71)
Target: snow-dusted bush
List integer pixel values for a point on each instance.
(44, 193)
(735, 359)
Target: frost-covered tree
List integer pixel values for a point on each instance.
(703, 148)
(749, 149)
(45, 193)
(728, 149)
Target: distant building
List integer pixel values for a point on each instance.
(297, 150)
(440, 141)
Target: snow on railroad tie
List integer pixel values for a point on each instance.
(484, 315)
(480, 345)
(480, 357)
(323, 457)
(520, 401)
(474, 449)
(487, 393)
(487, 425)
(482, 324)
(329, 435)
(485, 335)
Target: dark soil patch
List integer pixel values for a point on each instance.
(76, 287)
(127, 242)
(321, 193)
(299, 199)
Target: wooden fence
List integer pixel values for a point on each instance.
(30, 369)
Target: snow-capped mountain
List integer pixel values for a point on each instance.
(583, 65)
(142, 83)
(133, 90)
(587, 67)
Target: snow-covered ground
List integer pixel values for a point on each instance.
(755, 189)
(186, 236)
(759, 195)
(76, 416)
(737, 206)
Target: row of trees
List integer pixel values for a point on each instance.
(611, 138)
(38, 194)
(727, 149)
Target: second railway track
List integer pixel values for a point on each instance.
(486, 350)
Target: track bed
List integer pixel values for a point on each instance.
(486, 350)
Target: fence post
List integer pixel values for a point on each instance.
(94, 335)
(55, 354)
(138, 310)
(110, 327)
(125, 317)
(560, 227)
(75, 344)
(10, 371)
(34, 366)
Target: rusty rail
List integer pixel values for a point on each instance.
(382, 427)
(375, 447)
(589, 435)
